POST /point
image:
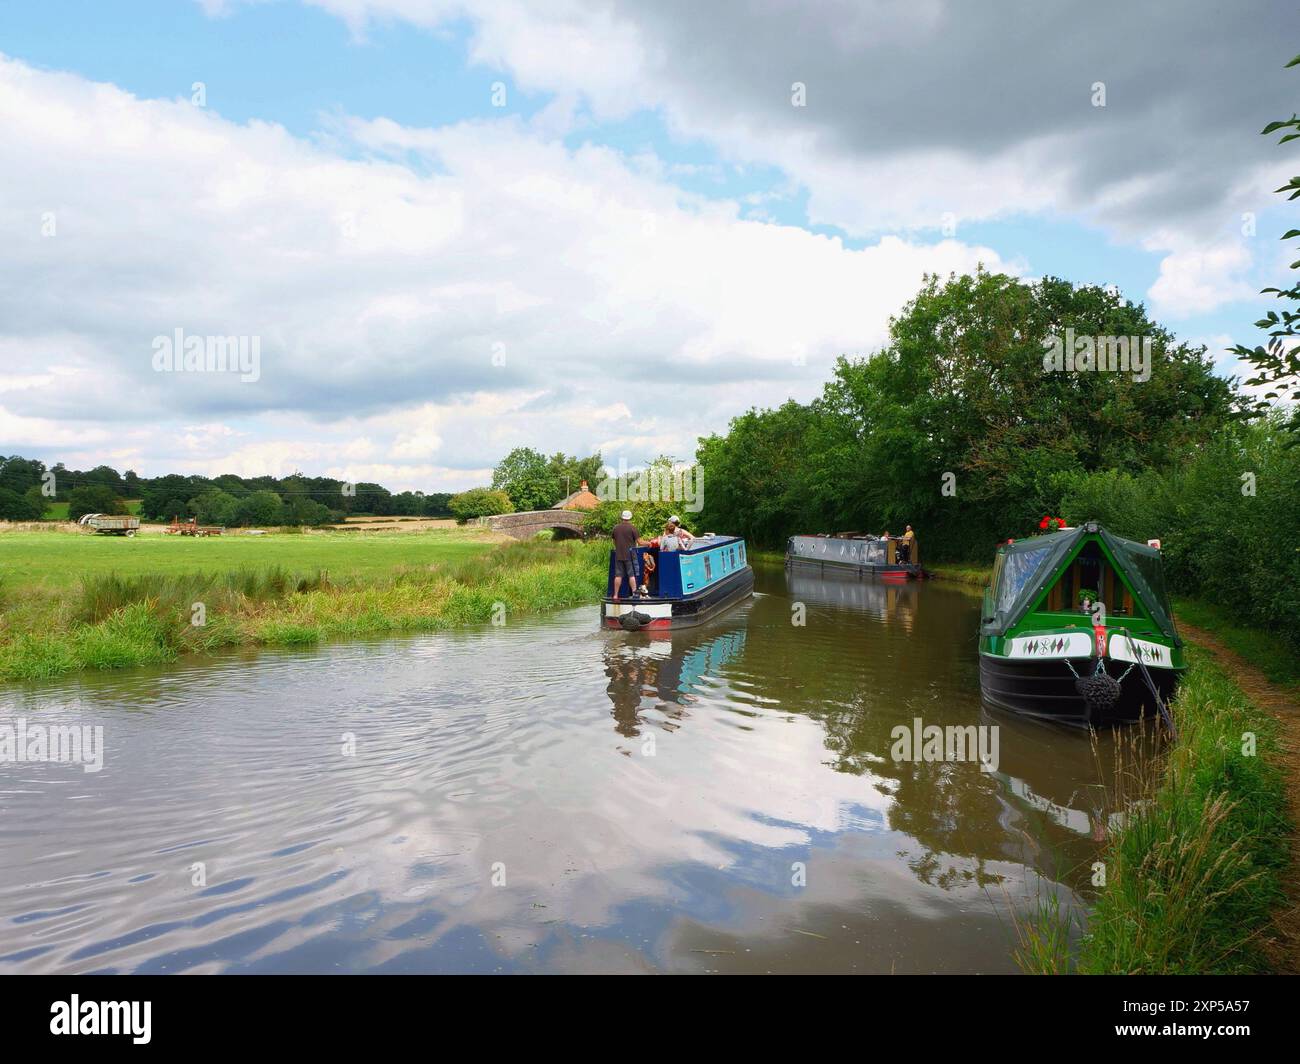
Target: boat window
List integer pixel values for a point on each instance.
(708, 569)
(1091, 571)
(997, 572)
(1148, 565)
(1018, 569)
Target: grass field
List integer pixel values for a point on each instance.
(70, 602)
(54, 560)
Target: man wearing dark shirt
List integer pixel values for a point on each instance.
(626, 537)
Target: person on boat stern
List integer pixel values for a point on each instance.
(905, 545)
(626, 537)
(674, 536)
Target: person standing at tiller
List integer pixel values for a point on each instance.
(905, 546)
(626, 537)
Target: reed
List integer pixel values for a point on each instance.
(1193, 868)
(1044, 936)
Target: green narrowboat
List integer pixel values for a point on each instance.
(1076, 627)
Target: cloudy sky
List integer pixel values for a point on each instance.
(454, 228)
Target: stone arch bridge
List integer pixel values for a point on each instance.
(566, 524)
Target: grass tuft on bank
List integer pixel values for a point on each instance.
(1195, 873)
(112, 621)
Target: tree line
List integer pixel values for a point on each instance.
(964, 427)
(28, 487)
(524, 479)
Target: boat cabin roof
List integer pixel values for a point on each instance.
(706, 542)
(1027, 569)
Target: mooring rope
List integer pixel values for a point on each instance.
(1146, 675)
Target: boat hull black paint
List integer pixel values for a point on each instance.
(1046, 690)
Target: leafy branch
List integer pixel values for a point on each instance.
(1278, 360)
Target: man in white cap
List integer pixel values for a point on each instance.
(626, 537)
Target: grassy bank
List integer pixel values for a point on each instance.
(117, 619)
(1193, 876)
(971, 575)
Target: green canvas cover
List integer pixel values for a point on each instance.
(1145, 571)
(1027, 567)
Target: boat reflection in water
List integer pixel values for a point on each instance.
(664, 672)
(1072, 785)
(1051, 794)
(846, 591)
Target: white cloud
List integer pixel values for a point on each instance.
(507, 291)
(1197, 280)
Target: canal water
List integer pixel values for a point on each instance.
(549, 797)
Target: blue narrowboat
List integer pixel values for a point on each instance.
(687, 587)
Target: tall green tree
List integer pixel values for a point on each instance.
(480, 502)
(15, 507)
(959, 426)
(215, 508)
(93, 499)
(261, 508)
(528, 478)
(570, 471)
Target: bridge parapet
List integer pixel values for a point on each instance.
(567, 524)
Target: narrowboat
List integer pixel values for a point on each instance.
(862, 555)
(1076, 627)
(686, 587)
